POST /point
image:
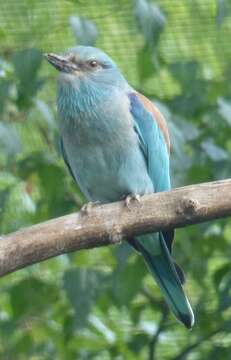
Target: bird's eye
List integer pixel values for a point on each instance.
(93, 63)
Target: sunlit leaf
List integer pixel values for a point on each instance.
(224, 109)
(215, 152)
(102, 328)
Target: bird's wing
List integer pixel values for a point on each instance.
(63, 152)
(153, 136)
(74, 176)
(152, 131)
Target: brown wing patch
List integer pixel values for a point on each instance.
(157, 116)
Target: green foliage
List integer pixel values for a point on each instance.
(101, 303)
(151, 22)
(222, 11)
(86, 283)
(26, 64)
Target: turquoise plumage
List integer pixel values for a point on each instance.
(116, 143)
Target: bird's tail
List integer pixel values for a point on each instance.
(160, 264)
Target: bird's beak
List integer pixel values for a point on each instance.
(61, 63)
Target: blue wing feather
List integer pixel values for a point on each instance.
(64, 155)
(154, 148)
(152, 144)
(156, 248)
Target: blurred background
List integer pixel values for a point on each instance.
(101, 304)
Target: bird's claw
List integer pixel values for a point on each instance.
(130, 198)
(86, 208)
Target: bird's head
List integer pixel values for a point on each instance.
(83, 63)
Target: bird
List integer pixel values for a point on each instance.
(115, 143)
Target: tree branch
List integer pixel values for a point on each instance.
(111, 223)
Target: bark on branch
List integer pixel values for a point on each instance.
(111, 223)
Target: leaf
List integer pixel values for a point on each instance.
(46, 113)
(19, 208)
(51, 178)
(31, 296)
(219, 352)
(220, 273)
(52, 182)
(222, 11)
(189, 130)
(145, 63)
(227, 232)
(127, 281)
(225, 294)
(4, 92)
(102, 328)
(26, 64)
(224, 109)
(151, 21)
(185, 73)
(3, 198)
(138, 341)
(23, 344)
(10, 142)
(222, 282)
(194, 90)
(84, 30)
(181, 132)
(82, 288)
(122, 253)
(215, 152)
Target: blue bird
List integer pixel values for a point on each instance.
(115, 143)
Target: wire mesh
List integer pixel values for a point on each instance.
(191, 25)
(44, 24)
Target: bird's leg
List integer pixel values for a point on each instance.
(86, 208)
(132, 197)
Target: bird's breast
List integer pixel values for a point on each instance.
(94, 119)
(103, 151)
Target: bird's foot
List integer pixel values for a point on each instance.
(130, 198)
(86, 208)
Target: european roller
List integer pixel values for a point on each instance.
(115, 143)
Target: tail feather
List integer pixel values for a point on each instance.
(159, 262)
(180, 273)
